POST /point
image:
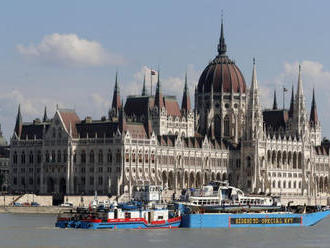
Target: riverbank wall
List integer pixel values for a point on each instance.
(31, 210)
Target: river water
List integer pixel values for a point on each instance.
(28, 230)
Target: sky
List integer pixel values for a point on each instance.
(66, 53)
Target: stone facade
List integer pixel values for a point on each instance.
(150, 139)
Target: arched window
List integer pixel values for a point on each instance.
(274, 184)
(269, 157)
(226, 126)
(47, 157)
(39, 157)
(83, 157)
(279, 184)
(59, 135)
(100, 157)
(15, 158)
(109, 156)
(65, 156)
(91, 157)
(53, 156)
(294, 160)
(248, 162)
(300, 160)
(59, 156)
(23, 157)
(31, 158)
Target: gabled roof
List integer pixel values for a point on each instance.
(69, 117)
(136, 130)
(139, 105)
(172, 106)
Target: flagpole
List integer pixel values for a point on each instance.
(151, 82)
(283, 98)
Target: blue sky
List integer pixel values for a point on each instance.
(67, 52)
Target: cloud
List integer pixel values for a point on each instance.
(100, 105)
(69, 50)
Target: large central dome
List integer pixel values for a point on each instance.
(222, 73)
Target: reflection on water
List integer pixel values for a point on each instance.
(39, 231)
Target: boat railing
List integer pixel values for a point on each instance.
(201, 193)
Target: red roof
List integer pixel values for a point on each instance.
(69, 116)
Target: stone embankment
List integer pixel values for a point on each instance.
(32, 210)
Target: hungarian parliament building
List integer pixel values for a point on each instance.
(151, 139)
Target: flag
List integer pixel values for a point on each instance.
(153, 72)
(285, 89)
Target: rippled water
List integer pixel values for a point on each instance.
(25, 230)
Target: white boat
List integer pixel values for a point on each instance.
(219, 196)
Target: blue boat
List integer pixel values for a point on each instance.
(146, 212)
(232, 220)
(118, 218)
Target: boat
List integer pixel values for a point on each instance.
(219, 196)
(234, 220)
(147, 212)
(218, 205)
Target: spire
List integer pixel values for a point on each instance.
(222, 48)
(254, 119)
(115, 99)
(300, 88)
(291, 103)
(19, 122)
(45, 118)
(186, 106)
(159, 97)
(144, 90)
(313, 115)
(254, 82)
(275, 101)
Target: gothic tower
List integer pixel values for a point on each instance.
(315, 126)
(114, 110)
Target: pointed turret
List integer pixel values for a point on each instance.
(186, 106)
(299, 114)
(45, 118)
(144, 90)
(254, 82)
(300, 88)
(19, 122)
(254, 116)
(291, 103)
(222, 48)
(159, 101)
(275, 101)
(314, 120)
(114, 111)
